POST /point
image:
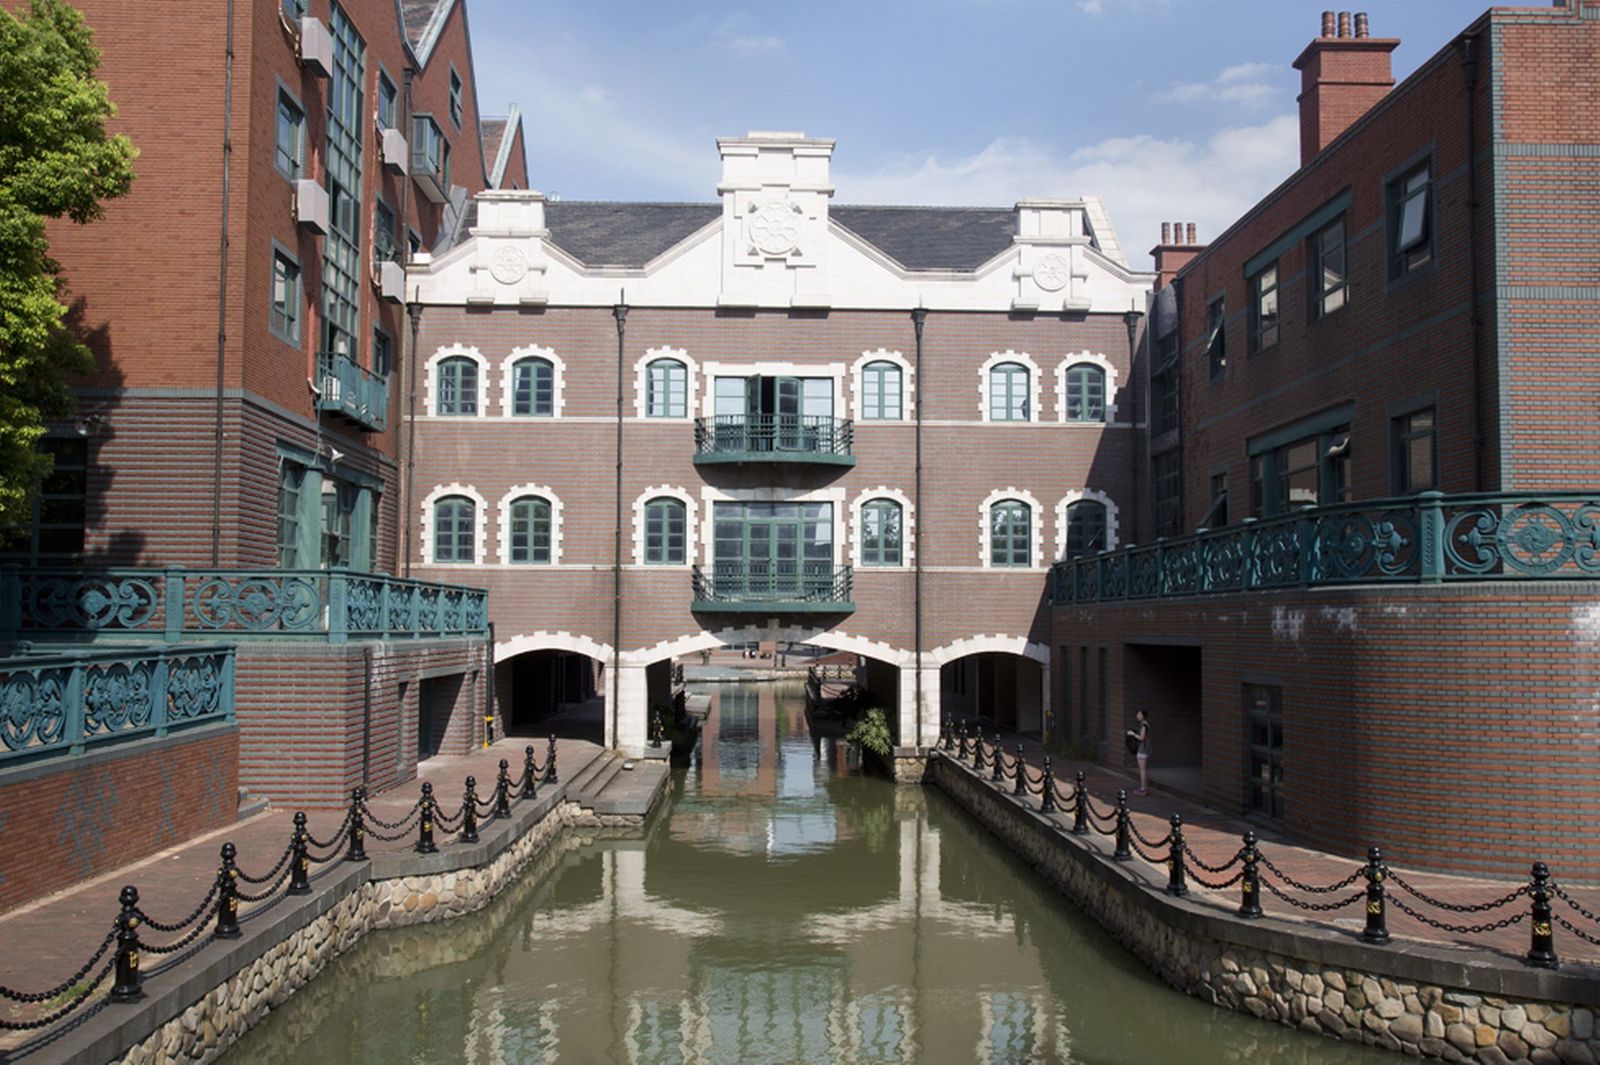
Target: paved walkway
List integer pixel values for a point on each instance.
(1215, 838)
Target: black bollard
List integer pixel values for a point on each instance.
(227, 895)
(430, 808)
(502, 790)
(358, 832)
(1047, 798)
(946, 741)
(1123, 852)
(299, 864)
(530, 786)
(977, 751)
(961, 755)
(1175, 877)
(550, 762)
(469, 813)
(1250, 880)
(1080, 806)
(999, 774)
(1377, 930)
(1542, 951)
(1020, 769)
(127, 988)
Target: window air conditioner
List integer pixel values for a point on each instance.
(316, 46)
(311, 205)
(396, 154)
(390, 277)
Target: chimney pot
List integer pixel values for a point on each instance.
(1344, 23)
(1191, 233)
(1327, 24)
(1362, 28)
(1166, 232)
(1341, 77)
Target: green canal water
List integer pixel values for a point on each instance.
(781, 909)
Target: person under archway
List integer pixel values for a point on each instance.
(1139, 744)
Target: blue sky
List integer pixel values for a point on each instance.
(1167, 109)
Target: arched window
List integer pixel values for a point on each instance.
(1008, 393)
(530, 530)
(882, 533)
(454, 525)
(880, 391)
(533, 388)
(665, 532)
(458, 386)
(1086, 528)
(1086, 393)
(1010, 533)
(666, 389)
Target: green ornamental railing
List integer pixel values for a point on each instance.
(66, 703)
(348, 388)
(177, 603)
(1428, 538)
(738, 586)
(774, 438)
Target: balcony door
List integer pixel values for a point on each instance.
(773, 550)
(773, 413)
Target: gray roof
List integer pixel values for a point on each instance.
(918, 238)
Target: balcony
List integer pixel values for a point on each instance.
(773, 587)
(1426, 539)
(430, 159)
(177, 604)
(350, 390)
(805, 438)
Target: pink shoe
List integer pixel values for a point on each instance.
(1141, 791)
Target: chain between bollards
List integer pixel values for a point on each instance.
(358, 832)
(1123, 852)
(299, 864)
(502, 790)
(227, 895)
(1175, 878)
(1021, 769)
(1080, 806)
(127, 988)
(977, 751)
(550, 762)
(999, 774)
(430, 808)
(1250, 880)
(1047, 798)
(1542, 950)
(469, 813)
(961, 753)
(1377, 930)
(530, 786)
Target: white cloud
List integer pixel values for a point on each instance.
(1143, 180)
(1249, 84)
(1091, 7)
(746, 45)
(595, 95)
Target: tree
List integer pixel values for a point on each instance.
(55, 161)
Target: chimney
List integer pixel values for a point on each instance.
(1176, 250)
(1342, 74)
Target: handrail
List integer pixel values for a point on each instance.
(774, 434)
(346, 387)
(778, 582)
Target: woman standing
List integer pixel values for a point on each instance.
(1139, 740)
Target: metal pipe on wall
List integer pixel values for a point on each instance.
(620, 311)
(919, 318)
(222, 294)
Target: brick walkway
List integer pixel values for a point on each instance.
(1215, 838)
(43, 943)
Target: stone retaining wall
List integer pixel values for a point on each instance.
(1441, 1003)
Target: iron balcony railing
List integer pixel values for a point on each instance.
(68, 702)
(1428, 538)
(774, 438)
(795, 586)
(347, 388)
(177, 604)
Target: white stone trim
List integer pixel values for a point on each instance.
(558, 370)
(551, 641)
(908, 390)
(973, 645)
(710, 371)
(1034, 383)
(710, 496)
(504, 531)
(1035, 527)
(690, 523)
(641, 383)
(1093, 359)
(480, 522)
(707, 640)
(1076, 496)
(908, 516)
(431, 380)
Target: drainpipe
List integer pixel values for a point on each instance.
(1469, 67)
(919, 317)
(1130, 318)
(620, 311)
(407, 356)
(366, 715)
(488, 706)
(222, 295)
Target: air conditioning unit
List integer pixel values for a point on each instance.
(396, 153)
(390, 277)
(316, 46)
(311, 205)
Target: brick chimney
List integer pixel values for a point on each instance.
(1342, 74)
(1175, 251)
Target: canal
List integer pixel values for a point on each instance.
(782, 908)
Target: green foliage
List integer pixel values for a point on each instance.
(56, 161)
(870, 731)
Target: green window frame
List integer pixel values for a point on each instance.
(283, 318)
(1086, 393)
(291, 478)
(1411, 221)
(457, 390)
(881, 396)
(882, 533)
(388, 102)
(666, 389)
(382, 352)
(666, 527)
(1086, 528)
(1217, 336)
(1264, 309)
(1414, 444)
(1010, 393)
(1330, 290)
(289, 137)
(1166, 491)
(58, 519)
(530, 531)
(342, 268)
(1011, 534)
(533, 388)
(455, 530)
(385, 244)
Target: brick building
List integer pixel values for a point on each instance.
(1366, 605)
(654, 429)
(246, 304)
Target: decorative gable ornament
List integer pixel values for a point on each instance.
(772, 228)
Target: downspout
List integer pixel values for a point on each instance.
(919, 317)
(488, 705)
(1130, 318)
(620, 311)
(222, 295)
(408, 356)
(1469, 67)
(366, 715)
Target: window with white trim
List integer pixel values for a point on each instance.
(1010, 533)
(882, 532)
(530, 531)
(457, 389)
(1086, 393)
(880, 391)
(454, 529)
(533, 388)
(666, 389)
(1086, 528)
(1009, 393)
(665, 532)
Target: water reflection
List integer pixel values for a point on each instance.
(786, 910)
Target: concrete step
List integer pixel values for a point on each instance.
(632, 791)
(579, 783)
(250, 805)
(595, 785)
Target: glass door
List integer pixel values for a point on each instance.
(773, 551)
